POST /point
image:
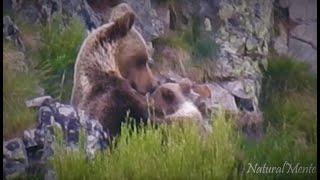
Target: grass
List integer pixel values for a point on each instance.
(289, 106)
(17, 88)
(53, 57)
(170, 152)
(53, 48)
(162, 153)
(288, 102)
(56, 57)
(289, 98)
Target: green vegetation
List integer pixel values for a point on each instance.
(52, 68)
(17, 87)
(170, 152)
(162, 153)
(289, 106)
(290, 96)
(57, 55)
(288, 102)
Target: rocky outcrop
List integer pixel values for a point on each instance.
(244, 40)
(149, 23)
(12, 33)
(28, 154)
(42, 11)
(297, 26)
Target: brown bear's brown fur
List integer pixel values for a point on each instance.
(112, 74)
(115, 47)
(110, 100)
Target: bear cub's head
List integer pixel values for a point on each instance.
(175, 100)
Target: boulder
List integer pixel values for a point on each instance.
(306, 32)
(303, 52)
(303, 10)
(39, 144)
(15, 161)
(12, 33)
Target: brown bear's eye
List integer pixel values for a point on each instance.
(141, 62)
(168, 95)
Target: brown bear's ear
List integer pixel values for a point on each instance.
(124, 24)
(185, 85)
(167, 95)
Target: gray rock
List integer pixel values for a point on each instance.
(29, 137)
(96, 138)
(284, 3)
(44, 10)
(221, 98)
(15, 161)
(36, 102)
(39, 144)
(241, 88)
(16, 4)
(303, 52)
(251, 43)
(243, 40)
(11, 32)
(87, 15)
(148, 23)
(280, 43)
(306, 32)
(245, 92)
(207, 25)
(303, 10)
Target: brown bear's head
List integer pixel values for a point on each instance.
(132, 56)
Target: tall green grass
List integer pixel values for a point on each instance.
(57, 55)
(170, 152)
(290, 96)
(51, 67)
(17, 88)
(289, 106)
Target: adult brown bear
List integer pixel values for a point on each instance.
(115, 47)
(112, 72)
